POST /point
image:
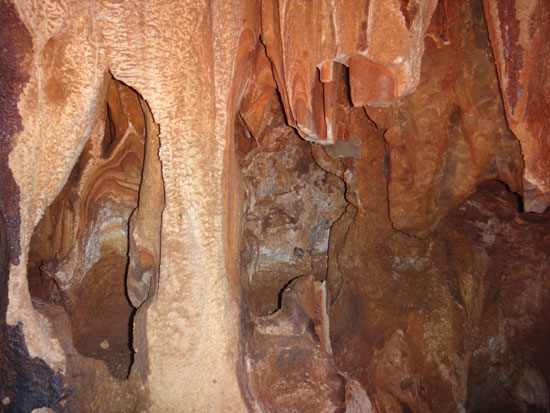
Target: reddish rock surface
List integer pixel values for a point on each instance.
(520, 37)
(289, 365)
(501, 262)
(381, 41)
(451, 133)
(274, 206)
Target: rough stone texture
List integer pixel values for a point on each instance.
(75, 45)
(289, 363)
(520, 37)
(78, 255)
(502, 268)
(16, 49)
(291, 204)
(410, 321)
(384, 266)
(26, 382)
(450, 134)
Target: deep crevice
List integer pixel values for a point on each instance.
(80, 251)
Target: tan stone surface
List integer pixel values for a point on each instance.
(154, 48)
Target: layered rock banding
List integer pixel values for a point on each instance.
(274, 206)
(87, 253)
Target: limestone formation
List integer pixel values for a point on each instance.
(274, 205)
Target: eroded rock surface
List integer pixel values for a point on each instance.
(77, 48)
(408, 316)
(502, 274)
(380, 41)
(288, 356)
(26, 382)
(291, 205)
(276, 206)
(520, 37)
(79, 251)
(451, 134)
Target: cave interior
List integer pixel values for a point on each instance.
(387, 257)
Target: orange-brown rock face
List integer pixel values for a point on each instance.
(504, 285)
(451, 134)
(288, 356)
(408, 316)
(274, 206)
(520, 37)
(380, 41)
(408, 308)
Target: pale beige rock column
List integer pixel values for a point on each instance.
(183, 67)
(180, 57)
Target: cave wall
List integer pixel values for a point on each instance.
(519, 36)
(274, 205)
(77, 47)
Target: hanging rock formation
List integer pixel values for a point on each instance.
(520, 36)
(329, 206)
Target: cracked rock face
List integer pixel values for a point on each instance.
(332, 206)
(291, 205)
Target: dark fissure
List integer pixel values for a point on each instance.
(80, 251)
